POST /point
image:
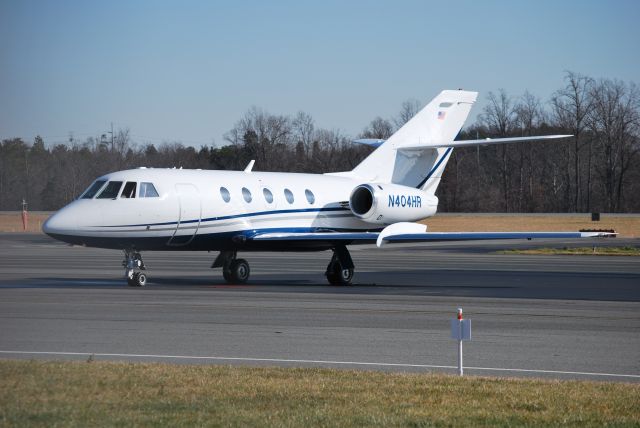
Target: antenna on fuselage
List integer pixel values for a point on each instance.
(250, 166)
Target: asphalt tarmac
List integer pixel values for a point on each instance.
(544, 316)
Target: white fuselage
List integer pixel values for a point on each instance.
(190, 211)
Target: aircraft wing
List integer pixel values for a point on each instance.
(413, 232)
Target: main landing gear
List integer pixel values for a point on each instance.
(236, 271)
(340, 268)
(133, 264)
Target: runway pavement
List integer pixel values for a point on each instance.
(545, 316)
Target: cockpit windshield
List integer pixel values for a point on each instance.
(111, 190)
(93, 189)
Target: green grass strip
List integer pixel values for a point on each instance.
(34, 393)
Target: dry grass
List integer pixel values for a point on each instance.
(123, 394)
(626, 226)
(582, 251)
(11, 221)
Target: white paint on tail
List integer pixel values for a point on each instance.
(417, 153)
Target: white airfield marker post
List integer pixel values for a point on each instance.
(460, 330)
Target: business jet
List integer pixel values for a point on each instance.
(380, 201)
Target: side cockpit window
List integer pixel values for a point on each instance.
(93, 189)
(148, 190)
(111, 190)
(129, 190)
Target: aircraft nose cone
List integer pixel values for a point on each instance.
(61, 222)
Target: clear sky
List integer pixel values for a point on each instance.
(188, 70)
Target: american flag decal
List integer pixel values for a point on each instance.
(441, 115)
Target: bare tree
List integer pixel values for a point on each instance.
(378, 128)
(571, 106)
(263, 135)
(615, 121)
(409, 109)
(303, 128)
(499, 118)
(529, 115)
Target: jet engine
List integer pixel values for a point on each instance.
(391, 203)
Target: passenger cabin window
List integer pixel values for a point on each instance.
(148, 190)
(288, 195)
(129, 190)
(246, 194)
(111, 190)
(93, 189)
(310, 197)
(268, 196)
(226, 196)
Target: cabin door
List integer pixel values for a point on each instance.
(190, 210)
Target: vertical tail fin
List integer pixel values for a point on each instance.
(414, 156)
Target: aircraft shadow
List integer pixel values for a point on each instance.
(480, 283)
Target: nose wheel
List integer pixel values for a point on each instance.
(133, 265)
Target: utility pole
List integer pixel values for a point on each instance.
(478, 172)
(25, 216)
(111, 132)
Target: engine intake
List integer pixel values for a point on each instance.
(391, 203)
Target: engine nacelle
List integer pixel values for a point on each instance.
(391, 203)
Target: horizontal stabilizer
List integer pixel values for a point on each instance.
(487, 141)
(371, 142)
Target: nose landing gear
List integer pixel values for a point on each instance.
(133, 264)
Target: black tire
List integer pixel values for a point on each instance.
(338, 276)
(131, 281)
(226, 273)
(141, 279)
(345, 276)
(138, 279)
(240, 271)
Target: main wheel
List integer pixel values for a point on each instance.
(336, 275)
(238, 272)
(141, 279)
(137, 279)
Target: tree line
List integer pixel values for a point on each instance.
(595, 170)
